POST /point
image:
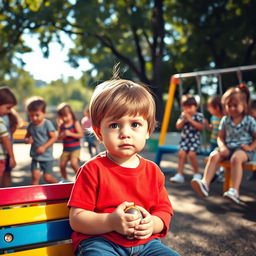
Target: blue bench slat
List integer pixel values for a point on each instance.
(36, 233)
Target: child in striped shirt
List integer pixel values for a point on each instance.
(70, 131)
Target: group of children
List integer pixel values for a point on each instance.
(233, 137)
(41, 134)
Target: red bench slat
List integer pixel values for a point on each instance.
(29, 194)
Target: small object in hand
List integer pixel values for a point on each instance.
(133, 210)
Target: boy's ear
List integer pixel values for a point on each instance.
(97, 133)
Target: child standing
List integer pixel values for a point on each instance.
(123, 117)
(88, 134)
(70, 131)
(237, 141)
(7, 101)
(41, 134)
(190, 123)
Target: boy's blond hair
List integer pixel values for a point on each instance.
(119, 97)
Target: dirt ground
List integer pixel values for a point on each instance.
(212, 226)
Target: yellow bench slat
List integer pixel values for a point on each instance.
(30, 214)
(54, 250)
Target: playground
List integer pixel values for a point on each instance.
(199, 227)
(211, 226)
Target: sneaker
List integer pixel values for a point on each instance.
(197, 176)
(232, 194)
(199, 187)
(177, 178)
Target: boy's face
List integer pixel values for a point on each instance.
(213, 111)
(191, 110)
(123, 137)
(36, 116)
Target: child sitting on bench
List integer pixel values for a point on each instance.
(236, 141)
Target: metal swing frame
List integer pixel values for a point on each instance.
(176, 79)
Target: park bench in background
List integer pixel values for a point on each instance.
(251, 166)
(34, 220)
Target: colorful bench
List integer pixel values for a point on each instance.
(251, 166)
(34, 220)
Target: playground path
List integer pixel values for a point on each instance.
(212, 226)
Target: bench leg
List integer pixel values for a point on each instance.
(227, 179)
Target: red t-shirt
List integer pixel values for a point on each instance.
(102, 185)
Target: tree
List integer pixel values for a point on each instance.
(152, 39)
(214, 34)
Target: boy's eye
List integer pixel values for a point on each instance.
(135, 124)
(113, 126)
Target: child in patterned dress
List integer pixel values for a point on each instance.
(190, 123)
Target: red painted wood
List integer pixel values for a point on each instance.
(38, 193)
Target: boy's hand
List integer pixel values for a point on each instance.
(40, 150)
(29, 140)
(146, 227)
(121, 222)
(12, 162)
(187, 116)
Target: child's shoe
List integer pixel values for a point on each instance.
(199, 187)
(177, 178)
(233, 195)
(197, 176)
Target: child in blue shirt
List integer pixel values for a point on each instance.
(41, 134)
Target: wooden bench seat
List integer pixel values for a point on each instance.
(251, 166)
(34, 220)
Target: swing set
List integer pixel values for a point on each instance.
(177, 80)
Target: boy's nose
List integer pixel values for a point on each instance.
(125, 132)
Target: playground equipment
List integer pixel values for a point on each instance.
(175, 80)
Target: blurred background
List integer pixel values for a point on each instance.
(61, 49)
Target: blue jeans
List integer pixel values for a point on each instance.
(100, 246)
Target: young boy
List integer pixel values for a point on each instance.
(41, 134)
(123, 117)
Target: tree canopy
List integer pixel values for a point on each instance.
(151, 39)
